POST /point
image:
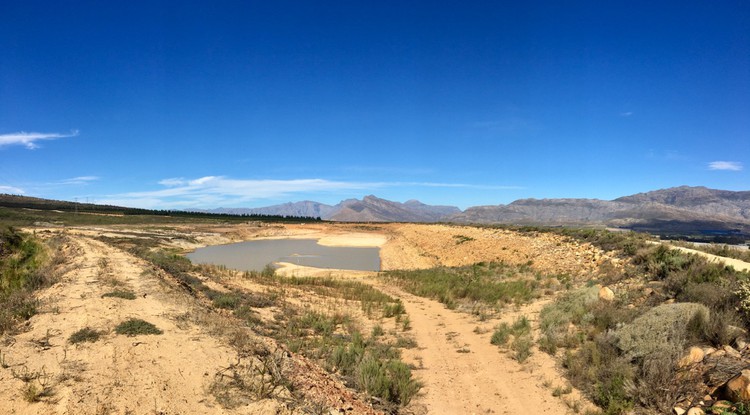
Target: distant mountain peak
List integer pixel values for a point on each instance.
(679, 209)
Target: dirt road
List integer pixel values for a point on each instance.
(464, 374)
(736, 263)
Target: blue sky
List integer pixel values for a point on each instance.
(241, 104)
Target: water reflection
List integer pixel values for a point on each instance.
(255, 255)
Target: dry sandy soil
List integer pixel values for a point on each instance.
(173, 373)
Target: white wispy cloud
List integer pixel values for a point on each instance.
(29, 139)
(219, 190)
(725, 165)
(79, 180)
(216, 191)
(11, 190)
(626, 114)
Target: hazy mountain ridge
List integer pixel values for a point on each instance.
(677, 209)
(681, 208)
(374, 209)
(369, 209)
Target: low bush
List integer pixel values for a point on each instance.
(124, 294)
(390, 380)
(136, 327)
(85, 334)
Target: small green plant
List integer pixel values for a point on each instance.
(30, 392)
(521, 347)
(405, 342)
(560, 390)
(226, 301)
(377, 331)
(501, 334)
(406, 323)
(124, 294)
(135, 327)
(85, 334)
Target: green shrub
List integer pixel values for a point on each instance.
(377, 331)
(658, 329)
(501, 334)
(521, 347)
(135, 327)
(226, 301)
(85, 334)
(389, 380)
(574, 307)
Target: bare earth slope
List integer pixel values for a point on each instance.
(172, 373)
(117, 374)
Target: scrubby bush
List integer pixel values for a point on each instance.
(662, 327)
(390, 380)
(135, 327)
(85, 334)
(573, 307)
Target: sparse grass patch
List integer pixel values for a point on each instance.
(377, 331)
(136, 327)
(520, 331)
(85, 334)
(124, 294)
(26, 264)
(501, 334)
(226, 301)
(366, 364)
(251, 379)
(492, 283)
(562, 390)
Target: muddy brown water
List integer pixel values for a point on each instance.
(255, 255)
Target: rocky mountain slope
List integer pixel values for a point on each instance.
(374, 209)
(679, 209)
(369, 209)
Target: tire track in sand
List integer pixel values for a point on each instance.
(463, 373)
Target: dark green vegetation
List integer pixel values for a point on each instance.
(136, 327)
(25, 266)
(23, 210)
(493, 283)
(623, 353)
(124, 294)
(85, 334)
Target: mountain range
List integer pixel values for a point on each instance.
(369, 209)
(681, 209)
